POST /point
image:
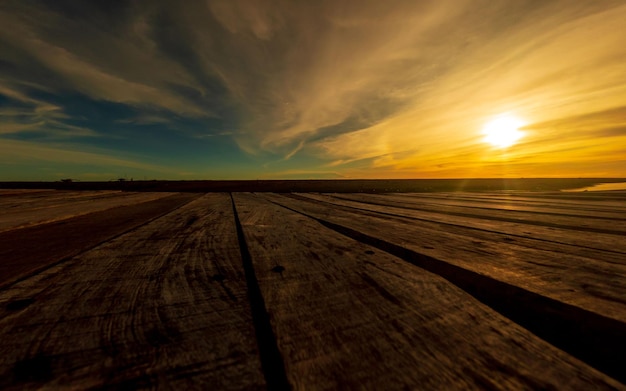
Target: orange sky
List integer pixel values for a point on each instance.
(565, 78)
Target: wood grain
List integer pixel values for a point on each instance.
(534, 202)
(616, 223)
(600, 246)
(25, 209)
(582, 276)
(347, 315)
(313, 291)
(162, 306)
(585, 323)
(28, 250)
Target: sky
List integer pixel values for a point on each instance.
(296, 89)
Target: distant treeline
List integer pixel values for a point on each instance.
(326, 186)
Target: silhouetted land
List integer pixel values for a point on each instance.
(334, 186)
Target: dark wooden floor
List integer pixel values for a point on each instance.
(312, 291)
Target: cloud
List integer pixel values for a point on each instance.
(240, 16)
(14, 152)
(600, 123)
(115, 65)
(22, 115)
(411, 76)
(303, 174)
(540, 69)
(359, 85)
(344, 62)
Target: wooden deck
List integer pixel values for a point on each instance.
(312, 291)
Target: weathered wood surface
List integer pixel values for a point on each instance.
(613, 224)
(594, 206)
(599, 246)
(588, 275)
(24, 209)
(196, 298)
(162, 306)
(27, 250)
(574, 302)
(348, 316)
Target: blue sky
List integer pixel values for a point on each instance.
(243, 89)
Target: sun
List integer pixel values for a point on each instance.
(503, 131)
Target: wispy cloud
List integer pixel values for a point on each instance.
(303, 174)
(100, 63)
(538, 69)
(367, 88)
(15, 152)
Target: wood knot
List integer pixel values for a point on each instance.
(278, 269)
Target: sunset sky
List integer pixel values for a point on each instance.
(237, 89)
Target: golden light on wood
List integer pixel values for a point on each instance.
(503, 131)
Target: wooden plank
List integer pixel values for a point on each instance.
(42, 199)
(162, 306)
(586, 224)
(550, 208)
(529, 198)
(604, 247)
(580, 196)
(597, 339)
(33, 209)
(350, 316)
(27, 250)
(589, 283)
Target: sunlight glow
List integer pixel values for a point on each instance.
(503, 131)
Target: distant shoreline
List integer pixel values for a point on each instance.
(328, 185)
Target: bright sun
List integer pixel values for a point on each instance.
(503, 131)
